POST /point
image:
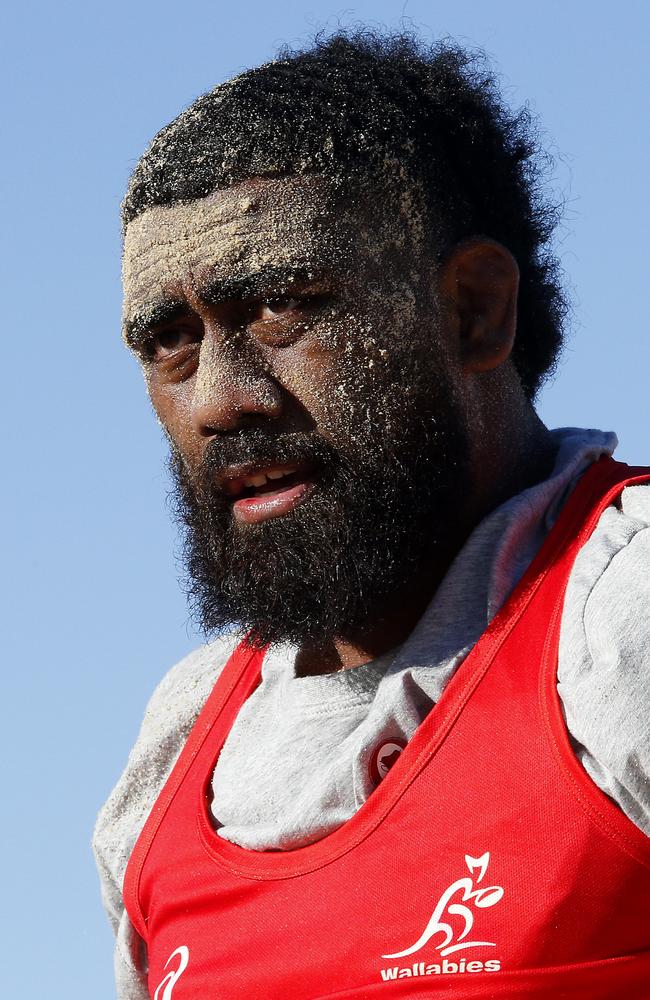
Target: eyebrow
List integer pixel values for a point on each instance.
(273, 278)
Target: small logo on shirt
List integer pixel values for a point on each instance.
(453, 919)
(384, 756)
(166, 986)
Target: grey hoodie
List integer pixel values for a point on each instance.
(300, 745)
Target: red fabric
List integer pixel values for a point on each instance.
(486, 857)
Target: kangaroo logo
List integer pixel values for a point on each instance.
(384, 756)
(165, 988)
(464, 891)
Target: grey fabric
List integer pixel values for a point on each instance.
(604, 660)
(168, 719)
(300, 746)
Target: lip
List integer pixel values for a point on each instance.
(261, 506)
(229, 480)
(254, 510)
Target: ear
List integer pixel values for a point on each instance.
(479, 283)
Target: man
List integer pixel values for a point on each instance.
(338, 284)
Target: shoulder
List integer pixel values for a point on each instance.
(610, 579)
(181, 694)
(168, 719)
(604, 656)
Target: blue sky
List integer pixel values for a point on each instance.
(93, 611)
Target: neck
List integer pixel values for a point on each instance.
(500, 472)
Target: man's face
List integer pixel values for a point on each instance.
(294, 354)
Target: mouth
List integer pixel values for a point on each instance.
(259, 493)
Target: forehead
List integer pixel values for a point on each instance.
(255, 225)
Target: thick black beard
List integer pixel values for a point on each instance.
(385, 501)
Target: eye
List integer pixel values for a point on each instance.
(167, 341)
(280, 320)
(273, 308)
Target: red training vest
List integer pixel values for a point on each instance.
(486, 864)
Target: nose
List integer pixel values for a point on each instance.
(230, 388)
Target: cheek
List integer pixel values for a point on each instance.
(324, 371)
(341, 376)
(171, 404)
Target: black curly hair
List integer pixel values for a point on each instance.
(354, 102)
